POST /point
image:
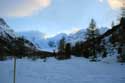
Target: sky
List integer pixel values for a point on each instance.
(58, 16)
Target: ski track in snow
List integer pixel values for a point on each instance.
(75, 70)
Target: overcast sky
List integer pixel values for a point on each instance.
(56, 16)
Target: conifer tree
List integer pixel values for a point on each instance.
(91, 34)
(62, 43)
(68, 50)
(92, 31)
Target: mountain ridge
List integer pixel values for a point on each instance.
(43, 42)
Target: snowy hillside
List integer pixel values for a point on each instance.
(102, 30)
(5, 30)
(55, 40)
(37, 38)
(11, 43)
(41, 42)
(75, 70)
(76, 37)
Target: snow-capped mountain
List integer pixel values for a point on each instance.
(102, 30)
(41, 42)
(57, 37)
(55, 40)
(35, 37)
(76, 37)
(5, 30)
(11, 43)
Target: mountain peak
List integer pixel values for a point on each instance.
(5, 31)
(2, 21)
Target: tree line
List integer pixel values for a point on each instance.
(95, 44)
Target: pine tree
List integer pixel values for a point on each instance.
(78, 49)
(62, 43)
(103, 49)
(91, 34)
(113, 24)
(64, 50)
(92, 31)
(68, 51)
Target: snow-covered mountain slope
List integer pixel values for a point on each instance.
(32, 34)
(57, 37)
(41, 42)
(10, 42)
(37, 38)
(5, 30)
(102, 30)
(75, 37)
(55, 40)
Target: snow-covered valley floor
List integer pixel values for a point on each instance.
(75, 70)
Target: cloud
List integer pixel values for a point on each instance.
(20, 8)
(116, 3)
